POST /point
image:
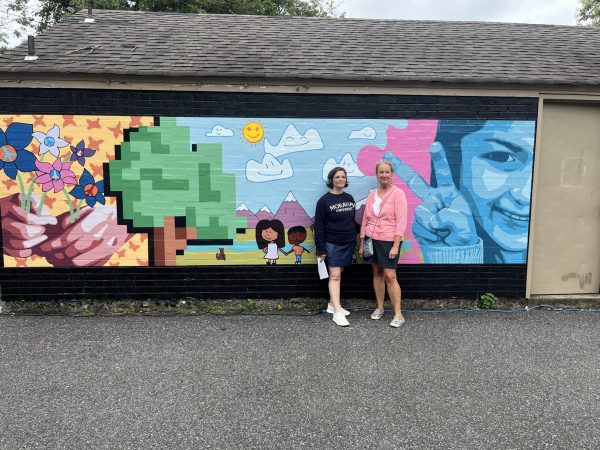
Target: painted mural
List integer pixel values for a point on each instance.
(135, 191)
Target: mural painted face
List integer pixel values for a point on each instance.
(296, 237)
(269, 235)
(253, 132)
(496, 179)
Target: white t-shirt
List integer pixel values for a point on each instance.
(377, 205)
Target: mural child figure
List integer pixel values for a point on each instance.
(270, 237)
(476, 208)
(296, 236)
(335, 237)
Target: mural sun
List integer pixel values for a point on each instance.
(253, 132)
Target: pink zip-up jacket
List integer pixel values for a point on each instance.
(391, 221)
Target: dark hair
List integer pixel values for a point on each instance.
(450, 134)
(296, 229)
(277, 226)
(332, 173)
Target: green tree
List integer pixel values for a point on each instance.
(47, 12)
(588, 12)
(15, 21)
(173, 189)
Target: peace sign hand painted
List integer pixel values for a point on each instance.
(445, 217)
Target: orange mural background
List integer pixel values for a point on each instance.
(99, 133)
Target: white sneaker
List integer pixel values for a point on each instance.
(397, 321)
(340, 319)
(331, 310)
(378, 314)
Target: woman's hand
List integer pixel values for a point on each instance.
(23, 231)
(90, 241)
(395, 250)
(361, 247)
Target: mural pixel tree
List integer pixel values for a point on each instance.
(173, 189)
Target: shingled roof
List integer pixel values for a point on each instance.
(299, 48)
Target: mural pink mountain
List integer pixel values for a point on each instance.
(243, 211)
(264, 213)
(292, 214)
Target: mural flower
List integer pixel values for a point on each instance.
(80, 153)
(13, 156)
(89, 190)
(54, 175)
(50, 141)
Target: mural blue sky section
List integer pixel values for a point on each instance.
(468, 182)
(291, 156)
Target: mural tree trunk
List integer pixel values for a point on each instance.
(170, 239)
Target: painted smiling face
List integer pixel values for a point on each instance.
(253, 132)
(269, 235)
(496, 179)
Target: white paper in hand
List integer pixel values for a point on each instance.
(322, 269)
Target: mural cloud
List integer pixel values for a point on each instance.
(363, 133)
(346, 162)
(292, 141)
(269, 169)
(219, 131)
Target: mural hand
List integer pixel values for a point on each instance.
(22, 230)
(90, 241)
(444, 217)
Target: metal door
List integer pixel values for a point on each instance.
(565, 256)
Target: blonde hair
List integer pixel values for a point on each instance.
(381, 162)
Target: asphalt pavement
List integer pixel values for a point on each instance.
(459, 380)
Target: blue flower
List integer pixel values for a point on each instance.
(13, 156)
(89, 190)
(80, 152)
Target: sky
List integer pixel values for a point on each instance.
(556, 12)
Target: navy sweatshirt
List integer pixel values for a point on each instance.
(334, 221)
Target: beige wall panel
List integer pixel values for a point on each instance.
(566, 231)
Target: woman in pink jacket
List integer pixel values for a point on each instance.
(384, 221)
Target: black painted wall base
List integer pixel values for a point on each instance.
(253, 282)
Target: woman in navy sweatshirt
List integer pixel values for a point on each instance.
(335, 237)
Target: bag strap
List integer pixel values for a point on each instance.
(381, 207)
